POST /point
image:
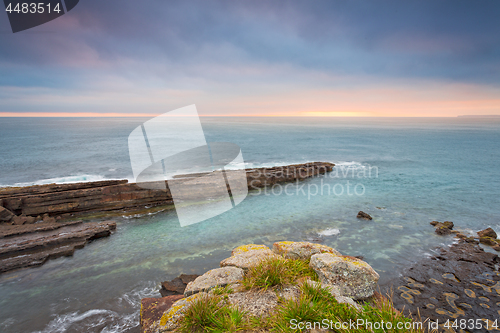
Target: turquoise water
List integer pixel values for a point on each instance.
(421, 170)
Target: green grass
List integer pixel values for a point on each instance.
(212, 313)
(275, 272)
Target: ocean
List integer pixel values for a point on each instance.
(405, 172)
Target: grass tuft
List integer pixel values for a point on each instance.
(275, 272)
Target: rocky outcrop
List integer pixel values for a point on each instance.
(487, 236)
(219, 277)
(345, 278)
(459, 282)
(363, 215)
(33, 244)
(301, 250)
(488, 232)
(353, 277)
(443, 228)
(71, 199)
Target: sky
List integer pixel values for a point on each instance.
(315, 58)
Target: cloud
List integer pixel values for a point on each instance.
(230, 49)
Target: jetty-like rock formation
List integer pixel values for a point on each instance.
(29, 204)
(246, 282)
(35, 221)
(33, 244)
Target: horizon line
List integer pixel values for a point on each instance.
(138, 115)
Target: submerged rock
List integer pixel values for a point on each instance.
(301, 250)
(219, 277)
(354, 277)
(363, 215)
(487, 233)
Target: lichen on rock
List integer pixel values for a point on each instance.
(354, 277)
(301, 250)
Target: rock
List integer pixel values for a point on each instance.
(496, 247)
(153, 308)
(444, 228)
(471, 240)
(354, 277)
(19, 220)
(177, 285)
(173, 287)
(487, 233)
(186, 278)
(335, 292)
(170, 319)
(26, 246)
(48, 219)
(363, 215)
(460, 235)
(349, 301)
(113, 195)
(30, 220)
(247, 256)
(5, 215)
(213, 278)
(458, 282)
(257, 303)
(301, 250)
(487, 241)
(12, 204)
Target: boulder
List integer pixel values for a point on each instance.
(247, 256)
(496, 247)
(487, 233)
(153, 308)
(487, 241)
(30, 219)
(443, 228)
(354, 278)
(301, 250)
(5, 215)
(19, 220)
(177, 285)
(363, 215)
(213, 278)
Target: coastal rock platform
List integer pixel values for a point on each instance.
(33, 244)
(460, 282)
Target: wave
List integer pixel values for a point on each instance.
(329, 232)
(103, 320)
(63, 180)
(86, 178)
